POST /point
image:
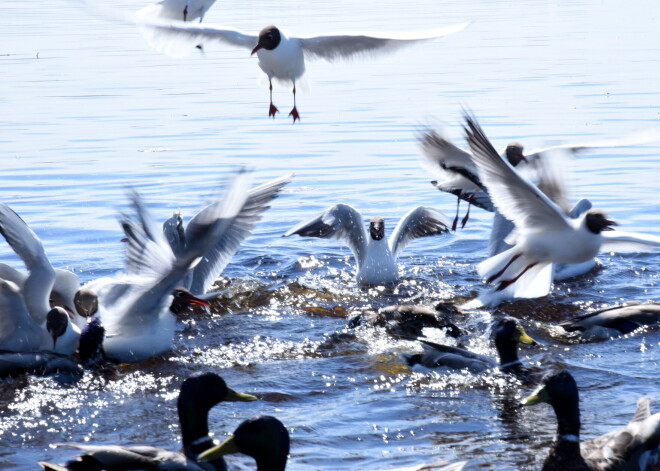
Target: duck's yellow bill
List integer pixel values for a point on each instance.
(225, 448)
(236, 396)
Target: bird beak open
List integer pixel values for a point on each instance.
(225, 448)
(608, 225)
(256, 48)
(198, 301)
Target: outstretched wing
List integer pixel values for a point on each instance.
(421, 221)
(516, 198)
(351, 45)
(218, 256)
(178, 39)
(26, 244)
(340, 222)
(620, 241)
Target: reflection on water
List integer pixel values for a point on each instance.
(88, 110)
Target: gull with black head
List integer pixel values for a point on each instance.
(375, 255)
(281, 55)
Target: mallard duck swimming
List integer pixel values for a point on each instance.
(408, 320)
(199, 393)
(633, 447)
(264, 438)
(614, 321)
(507, 334)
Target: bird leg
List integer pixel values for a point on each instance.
(467, 215)
(458, 204)
(273, 109)
(506, 283)
(185, 13)
(501, 272)
(294, 111)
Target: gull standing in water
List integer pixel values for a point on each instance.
(375, 255)
(281, 55)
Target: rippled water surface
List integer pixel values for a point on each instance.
(87, 108)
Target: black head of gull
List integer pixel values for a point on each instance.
(86, 302)
(269, 39)
(184, 298)
(264, 438)
(377, 228)
(57, 321)
(597, 221)
(514, 153)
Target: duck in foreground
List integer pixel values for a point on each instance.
(614, 321)
(375, 255)
(633, 447)
(282, 56)
(264, 438)
(508, 333)
(199, 393)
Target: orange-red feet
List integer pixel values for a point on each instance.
(272, 110)
(294, 113)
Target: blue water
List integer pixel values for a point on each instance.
(88, 109)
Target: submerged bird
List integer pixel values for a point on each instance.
(507, 333)
(134, 307)
(408, 320)
(633, 447)
(199, 393)
(614, 321)
(263, 438)
(375, 255)
(544, 234)
(282, 56)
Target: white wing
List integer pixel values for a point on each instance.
(18, 331)
(443, 157)
(178, 39)
(340, 222)
(638, 138)
(516, 198)
(421, 221)
(26, 244)
(620, 241)
(351, 45)
(217, 257)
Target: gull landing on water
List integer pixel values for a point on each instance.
(375, 255)
(545, 235)
(282, 56)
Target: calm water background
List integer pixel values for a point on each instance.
(87, 108)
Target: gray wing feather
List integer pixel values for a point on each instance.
(421, 221)
(340, 222)
(352, 45)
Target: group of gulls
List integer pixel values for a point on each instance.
(50, 322)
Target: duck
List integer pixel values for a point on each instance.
(263, 438)
(282, 55)
(636, 446)
(134, 307)
(408, 320)
(375, 255)
(614, 321)
(199, 393)
(507, 334)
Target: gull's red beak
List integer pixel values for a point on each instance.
(256, 48)
(608, 225)
(199, 302)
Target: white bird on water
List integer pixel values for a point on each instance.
(134, 307)
(544, 234)
(282, 56)
(375, 255)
